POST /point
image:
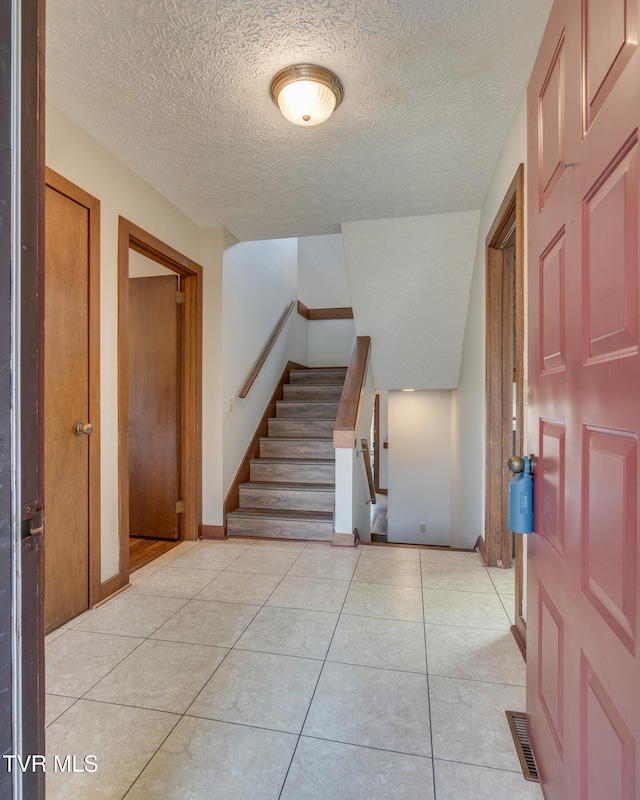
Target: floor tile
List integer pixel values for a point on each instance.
(210, 556)
(314, 565)
(280, 545)
(460, 781)
(371, 707)
(290, 632)
(170, 555)
(122, 739)
(132, 614)
(165, 676)
(465, 559)
(503, 579)
(465, 609)
(259, 689)
(55, 706)
(207, 760)
(208, 622)
(384, 643)
(469, 724)
(474, 654)
(509, 603)
(240, 587)
(390, 602)
(456, 577)
(264, 561)
(322, 770)
(326, 549)
(175, 582)
(316, 594)
(144, 572)
(54, 635)
(388, 553)
(78, 660)
(397, 573)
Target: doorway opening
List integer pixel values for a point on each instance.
(505, 349)
(159, 397)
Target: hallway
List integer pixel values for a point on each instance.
(263, 670)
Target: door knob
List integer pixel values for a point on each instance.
(85, 428)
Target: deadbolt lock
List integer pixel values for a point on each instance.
(81, 428)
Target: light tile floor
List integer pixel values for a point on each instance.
(253, 670)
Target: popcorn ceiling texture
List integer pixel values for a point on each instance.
(179, 91)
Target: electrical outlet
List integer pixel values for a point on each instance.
(231, 404)
(423, 527)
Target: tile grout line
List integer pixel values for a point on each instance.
(304, 722)
(426, 657)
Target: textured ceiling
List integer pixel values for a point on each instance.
(179, 91)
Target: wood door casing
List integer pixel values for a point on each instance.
(132, 237)
(154, 409)
(583, 588)
(71, 394)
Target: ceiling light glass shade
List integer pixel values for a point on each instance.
(306, 94)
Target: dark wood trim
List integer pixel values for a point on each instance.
(267, 349)
(504, 281)
(77, 195)
(522, 646)
(345, 312)
(111, 586)
(330, 313)
(376, 440)
(349, 408)
(130, 236)
(212, 532)
(480, 549)
(232, 499)
(367, 469)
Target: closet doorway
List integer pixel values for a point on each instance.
(159, 397)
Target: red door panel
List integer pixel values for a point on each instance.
(583, 667)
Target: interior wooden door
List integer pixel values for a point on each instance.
(154, 410)
(583, 664)
(66, 402)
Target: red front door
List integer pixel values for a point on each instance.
(583, 599)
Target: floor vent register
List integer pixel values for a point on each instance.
(518, 726)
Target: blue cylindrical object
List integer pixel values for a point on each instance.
(521, 501)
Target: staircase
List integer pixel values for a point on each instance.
(291, 488)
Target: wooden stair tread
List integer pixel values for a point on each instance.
(302, 487)
(274, 513)
(315, 462)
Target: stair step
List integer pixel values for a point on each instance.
(318, 376)
(280, 524)
(301, 428)
(315, 449)
(313, 391)
(278, 470)
(305, 410)
(287, 496)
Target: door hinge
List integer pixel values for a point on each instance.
(179, 297)
(180, 507)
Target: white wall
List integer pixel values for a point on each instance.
(469, 412)
(322, 283)
(80, 159)
(419, 467)
(322, 271)
(260, 280)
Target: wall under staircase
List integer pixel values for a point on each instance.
(291, 489)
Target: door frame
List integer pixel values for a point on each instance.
(132, 237)
(496, 545)
(68, 189)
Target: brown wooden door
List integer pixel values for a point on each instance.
(154, 413)
(583, 659)
(66, 402)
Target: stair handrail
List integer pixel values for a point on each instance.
(267, 349)
(367, 468)
(344, 431)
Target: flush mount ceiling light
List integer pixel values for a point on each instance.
(306, 94)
